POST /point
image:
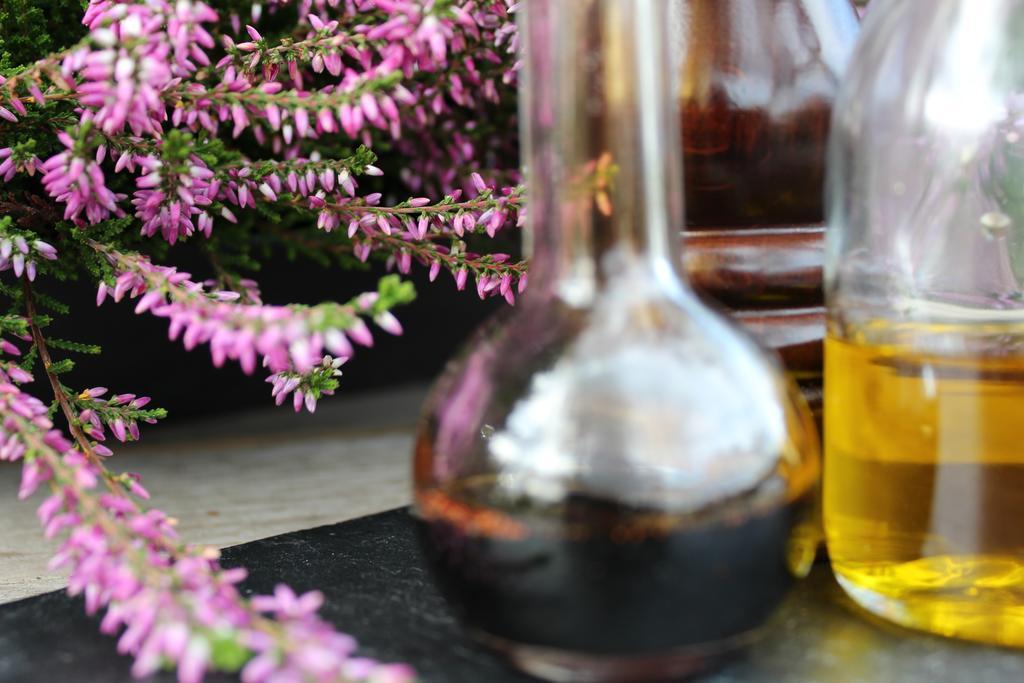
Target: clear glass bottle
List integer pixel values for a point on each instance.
(612, 483)
(924, 363)
(758, 83)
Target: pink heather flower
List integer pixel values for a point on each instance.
(134, 79)
(117, 413)
(116, 554)
(305, 396)
(18, 255)
(138, 50)
(285, 338)
(174, 203)
(11, 165)
(45, 250)
(100, 449)
(79, 184)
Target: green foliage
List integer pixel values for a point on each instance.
(393, 292)
(30, 29)
(34, 132)
(355, 163)
(50, 303)
(13, 325)
(320, 382)
(61, 366)
(230, 248)
(75, 347)
(28, 361)
(77, 257)
(107, 411)
(215, 153)
(226, 654)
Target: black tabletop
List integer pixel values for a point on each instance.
(378, 590)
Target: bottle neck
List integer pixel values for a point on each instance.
(603, 157)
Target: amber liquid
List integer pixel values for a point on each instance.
(924, 478)
(600, 578)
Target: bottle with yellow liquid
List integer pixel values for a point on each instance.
(924, 363)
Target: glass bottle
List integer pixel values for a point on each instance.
(758, 82)
(612, 483)
(924, 366)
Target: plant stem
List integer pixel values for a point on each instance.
(467, 205)
(58, 391)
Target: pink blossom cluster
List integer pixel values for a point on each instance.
(136, 80)
(24, 414)
(120, 413)
(11, 165)
(306, 388)
(20, 256)
(181, 122)
(79, 183)
(167, 199)
(286, 338)
(263, 86)
(134, 52)
(414, 37)
(170, 603)
(320, 654)
(419, 217)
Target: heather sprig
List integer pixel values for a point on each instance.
(20, 250)
(486, 213)
(121, 413)
(307, 388)
(284, 337)
(170, 602)
(356, 129)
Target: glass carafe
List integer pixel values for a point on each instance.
(924, 367)
(758, 82)
(612, 483)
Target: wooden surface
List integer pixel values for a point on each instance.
(235, 479)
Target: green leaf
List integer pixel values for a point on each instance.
(394, 292)
(47, 301)
(28, 361)
(76, 347)
(13, 324)
(226, 653)
(62, 366)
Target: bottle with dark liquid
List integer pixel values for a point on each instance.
(612, 483)
(758, 82)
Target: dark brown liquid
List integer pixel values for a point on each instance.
(746, 168)
(759, 81)
(601, 578)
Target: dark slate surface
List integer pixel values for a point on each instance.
(378, 590)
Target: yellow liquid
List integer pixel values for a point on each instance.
(924, 483)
